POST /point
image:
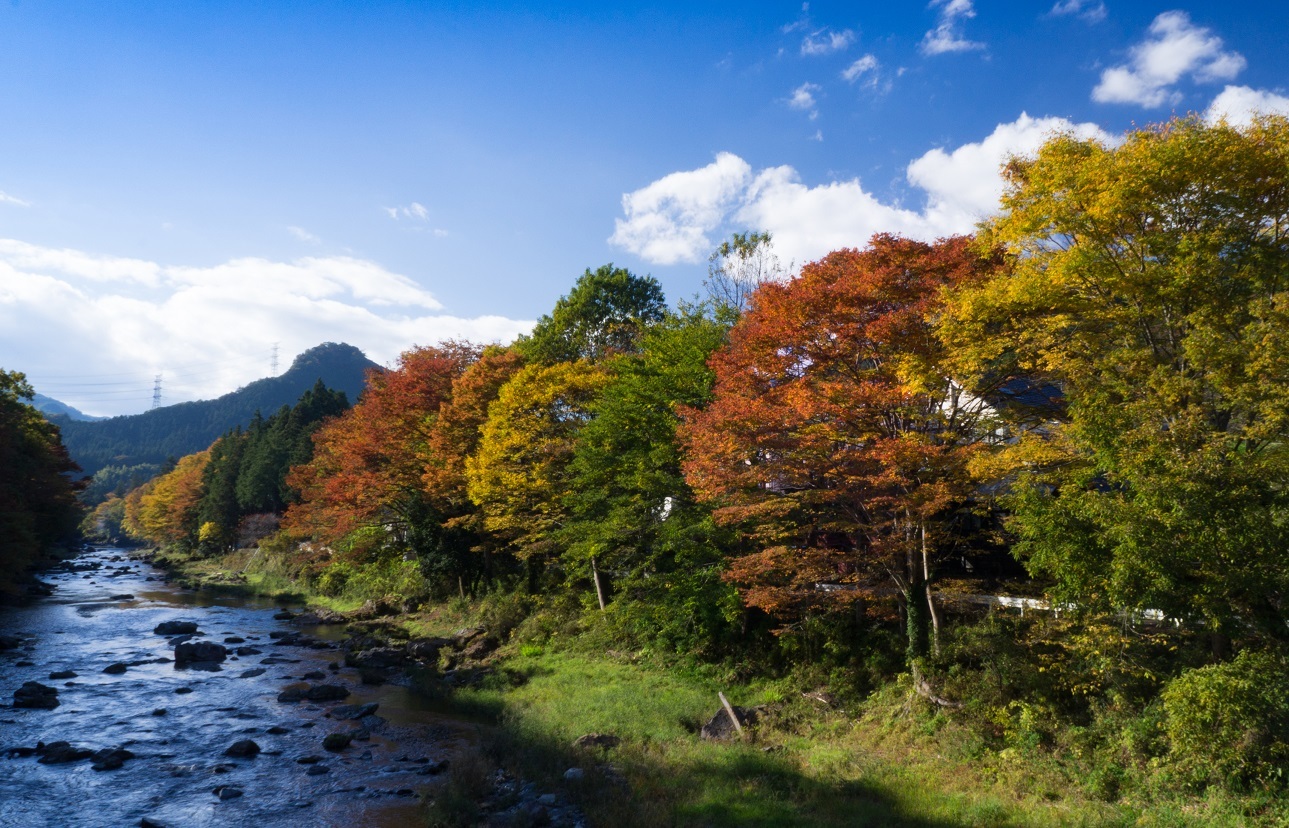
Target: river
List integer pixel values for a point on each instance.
(179, 721)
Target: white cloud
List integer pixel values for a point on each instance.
(1239, 104)
(947, 36)
(303, 235)
(961, 187)
(803, 97)
(866, 64)
(668, 221)
(415, 211)
(825, 42)
(5, 198)
(1174, 48)
(1093, 11)
(66, 312)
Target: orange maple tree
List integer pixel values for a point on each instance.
(368, 463)
(834, 440)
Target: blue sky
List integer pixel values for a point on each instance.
(184, 184)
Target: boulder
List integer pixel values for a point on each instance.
(426, 649)
(225, 792)
(337, 741)
(242, 749)
(378, 658)
(327, 692)
(293, 693)
(175, 628)
(353, 711)
(35, 696)
(62, 674)
(480, 647)
(197, 652)
(720, 726)
(58, 753)
(9, 642)
(109, 759)
(116, 669)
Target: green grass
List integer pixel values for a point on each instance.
(813, 767)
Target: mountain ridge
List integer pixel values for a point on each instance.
(183, 428)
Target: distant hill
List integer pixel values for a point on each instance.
(51, 407)
(176, 430)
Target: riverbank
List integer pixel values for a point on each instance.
(618, 734)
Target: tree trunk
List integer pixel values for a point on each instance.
(930, 600)
(599, 589)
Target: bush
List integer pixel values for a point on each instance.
(1228, 724)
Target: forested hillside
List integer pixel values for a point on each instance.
(176, 430)
(799, 481)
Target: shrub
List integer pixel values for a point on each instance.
(1228, 724)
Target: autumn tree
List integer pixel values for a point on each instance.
(168, 511)
(460, 546)
(519, 476)
(835, 440)
(605, 312)
(366, 470)
(1151, 280)
(38, 506)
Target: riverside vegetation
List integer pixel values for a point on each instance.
(797, 493)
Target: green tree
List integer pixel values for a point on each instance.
(1151, 280)
(38, 506)
(606, 312)
(629, 506)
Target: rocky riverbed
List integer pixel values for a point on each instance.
(132, 702)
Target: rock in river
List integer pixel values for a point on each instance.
(35, 696)
(176, 627)
(243, 749)
(337, 741)
(109, 759)
(57, 753)
(194, 652)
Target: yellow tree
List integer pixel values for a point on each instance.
(167, 512)
(519, 476)
(1151, 280)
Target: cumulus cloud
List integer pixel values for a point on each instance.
(1239, 104)
(1093, 11)
(866, 65)
(5, 198)
(960, 187)
(825, 42)
(947, 36)
(668, 221)
(70, 319)
(1174, 48)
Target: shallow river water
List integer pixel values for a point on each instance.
(179, 754)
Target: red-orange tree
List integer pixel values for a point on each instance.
(366, 468)
(460, 545)
(833, 440)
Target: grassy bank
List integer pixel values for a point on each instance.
(885, 758)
